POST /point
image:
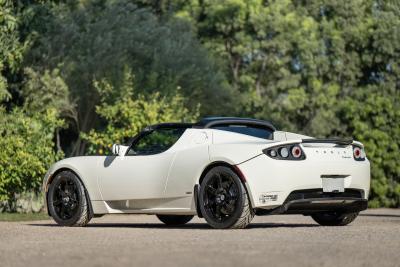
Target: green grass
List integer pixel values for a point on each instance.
(20, 217)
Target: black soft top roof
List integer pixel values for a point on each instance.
(169, 125)
(210, 122)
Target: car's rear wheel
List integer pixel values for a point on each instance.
(175, 220)
(334, 218)
(67, 201)
(223, 200)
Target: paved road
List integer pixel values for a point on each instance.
(138, 240)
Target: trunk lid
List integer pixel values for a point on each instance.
(328, 149)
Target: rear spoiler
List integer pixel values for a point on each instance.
(342, 142)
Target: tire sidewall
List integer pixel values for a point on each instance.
(82, 198)
(239, 205)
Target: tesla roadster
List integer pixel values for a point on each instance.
(225, 170)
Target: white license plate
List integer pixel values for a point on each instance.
(333, 184)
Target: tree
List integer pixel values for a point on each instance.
(376, 123)
(99, 39)
(27, 131)
(11, 49)
(44, 91)
(26, 151)
(126, 113)
(323, 68)
(327, 69)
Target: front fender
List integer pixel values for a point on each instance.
(86, 168)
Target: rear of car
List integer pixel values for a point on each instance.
(308, 176)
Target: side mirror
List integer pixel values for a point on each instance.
(119, 150)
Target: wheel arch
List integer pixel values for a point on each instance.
(214, 164)
(210, 166)
(50, 180)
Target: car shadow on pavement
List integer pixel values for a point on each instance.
(380, 215)
(200, 226)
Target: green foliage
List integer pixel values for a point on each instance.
(10, 47)
(99, 39)
(126, 113)
(42, 91)
(27, 131)
(323, 68)
(159, 140)
(26, 150)
(376, 123)
(4, 94)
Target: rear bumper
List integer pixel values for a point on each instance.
(269, 182)
(314, 200)
(310, 206)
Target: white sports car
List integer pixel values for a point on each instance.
(225, 170)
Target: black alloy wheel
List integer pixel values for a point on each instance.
(223, 199)
(66, 200)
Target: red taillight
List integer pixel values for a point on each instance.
(296, 151)
(358, 153)
(285, 152)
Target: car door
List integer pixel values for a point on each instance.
(188, 165)
(142, 172)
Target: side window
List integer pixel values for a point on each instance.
(156, 141)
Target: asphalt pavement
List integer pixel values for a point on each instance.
(141, 240)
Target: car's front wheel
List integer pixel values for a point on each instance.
(67, 201)
(175, 220)
(334, 218)
(223, 200)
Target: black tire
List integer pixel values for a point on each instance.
(67, 201)
(174, 220)
(223, 200)
(334, 218)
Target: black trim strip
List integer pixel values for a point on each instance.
(328, 140)
(309, 206)
(196, 200)
(333, 176)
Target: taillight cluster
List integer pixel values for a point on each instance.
(285, 152)
(358, 153)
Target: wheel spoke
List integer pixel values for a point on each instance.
(211, 190)
(67, 211)
(218, 212)
(226, 185)
(229, 207)
(57, 202)
(62, 212)
(209, 203)
(70, 188)
(60, 191)
(219, 181)
(234, 197)
(233, 192)
(220, 196)
(66, 188)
